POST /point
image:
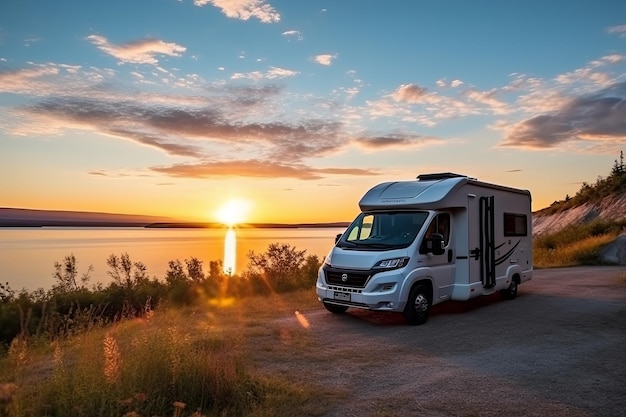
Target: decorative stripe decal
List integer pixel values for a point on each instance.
(504, 257)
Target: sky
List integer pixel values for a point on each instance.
(294, 109)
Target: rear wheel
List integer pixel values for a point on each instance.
(511, 292)
(335, 309)
(418, 305)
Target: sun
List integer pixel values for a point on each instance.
(233, 212)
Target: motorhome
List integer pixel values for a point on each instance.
(422, 242)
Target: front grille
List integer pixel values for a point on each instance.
(347, 278)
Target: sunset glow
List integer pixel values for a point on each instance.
(118, 108)
(233, 212)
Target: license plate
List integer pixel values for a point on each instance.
(343, 296)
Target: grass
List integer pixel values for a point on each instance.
(575, 245)
(582, 252)
(179, 362)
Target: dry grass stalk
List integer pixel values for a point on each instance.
(112, 359)
(6, 392)
(18, 351)
(58, 354)
(178, 408)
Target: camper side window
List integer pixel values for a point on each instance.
(515, 224)
(440, 225)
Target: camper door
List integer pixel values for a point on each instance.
(482, 240)
(442, 265)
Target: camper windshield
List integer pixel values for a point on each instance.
(384, 230)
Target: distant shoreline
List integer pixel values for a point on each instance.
(28, 218)
(181, 225)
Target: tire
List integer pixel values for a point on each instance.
(511, 292)
(418, 305)
(335, 309)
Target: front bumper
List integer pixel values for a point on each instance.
(381, 292)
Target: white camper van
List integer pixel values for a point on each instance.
(420, 243)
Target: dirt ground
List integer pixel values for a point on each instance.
(558, 349)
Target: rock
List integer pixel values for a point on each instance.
(615, 252)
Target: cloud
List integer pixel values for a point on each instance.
(254, 168)
(410, 93)
(454, 83)
(415, 104)
(394, 140)
(244, 9)
(325, 59)
(293, 34)
(137, 52)
(592, 117)
(272, 73)
(619, 30)
(231, 121)
(489, 99)
(27, 80)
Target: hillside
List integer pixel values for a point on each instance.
(586, 229)
(609, 208)
(605, 200)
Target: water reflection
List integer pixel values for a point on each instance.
(230, 252)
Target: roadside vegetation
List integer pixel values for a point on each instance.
(579, 244)
(147, 347)
(575, 245)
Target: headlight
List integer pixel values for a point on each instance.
(394, 263)
(328, 258)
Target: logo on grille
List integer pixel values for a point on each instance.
(344, 277)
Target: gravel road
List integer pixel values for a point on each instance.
(558, 349)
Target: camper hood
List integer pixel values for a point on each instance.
(360, 259)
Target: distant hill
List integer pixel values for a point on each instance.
(18, 217)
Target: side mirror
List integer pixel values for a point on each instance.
(434, 244)
(338, 237)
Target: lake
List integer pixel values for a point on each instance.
(27, 255)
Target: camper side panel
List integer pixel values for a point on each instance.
(498, 245)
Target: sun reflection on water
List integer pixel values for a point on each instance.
(230, 252)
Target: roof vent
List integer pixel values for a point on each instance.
(439, 176)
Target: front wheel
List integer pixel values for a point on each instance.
(417, 306)
(335, 309)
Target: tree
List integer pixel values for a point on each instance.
(194, 269)
(279, 266)
(66, 273)
(176, 273)
(6, 293)
(124, 272)
(619, 168)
